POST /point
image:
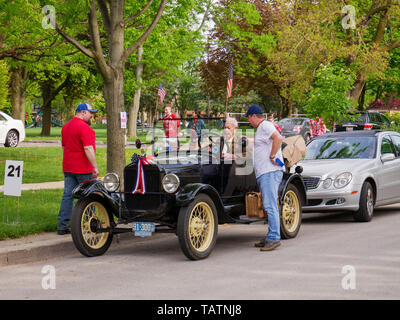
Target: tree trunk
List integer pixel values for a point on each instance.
(46, 110)
(69, 108)
(113, 94)
(361, 100)
(357, 89)
(49, 93)
(134, 108)
(18, 92)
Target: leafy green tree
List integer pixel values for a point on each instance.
(23, 42)
(328, 96)
(110, 45)
(4, 79)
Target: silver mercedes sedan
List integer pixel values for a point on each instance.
(352, 171)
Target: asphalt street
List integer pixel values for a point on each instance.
(331, 258)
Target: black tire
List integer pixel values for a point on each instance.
(87, 216)
(12, 139)
(290, 213)
(198, 227)
(367, 202)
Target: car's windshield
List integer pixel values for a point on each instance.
(290, 123)
(342, 148)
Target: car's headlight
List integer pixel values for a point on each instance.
(342, 180)
(327, 183)
(111, 182)
(170, 183)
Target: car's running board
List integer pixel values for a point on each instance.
(247, 220)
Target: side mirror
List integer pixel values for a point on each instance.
(387, 157)
(138, 143)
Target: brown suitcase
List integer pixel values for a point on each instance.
(254, 206)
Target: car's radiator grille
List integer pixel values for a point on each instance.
(152, 178)
(311, 182)
(146, 201)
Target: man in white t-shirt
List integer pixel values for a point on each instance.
(266, 155)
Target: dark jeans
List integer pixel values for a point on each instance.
(71, 180)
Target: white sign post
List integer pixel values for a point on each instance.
(123, 120)
(13, 178)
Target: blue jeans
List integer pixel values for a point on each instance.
(71, 180)
(269, 184)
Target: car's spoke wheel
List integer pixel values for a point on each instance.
(366, 205)
(290, 213)
(12, 139)
(197, 227)
(88, 217)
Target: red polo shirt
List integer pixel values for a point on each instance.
(75, 135)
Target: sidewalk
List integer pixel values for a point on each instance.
(49, 245)
(40, 185)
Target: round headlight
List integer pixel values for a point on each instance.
(327, 183)
(170, 183)
(342, 180)
(111, 182)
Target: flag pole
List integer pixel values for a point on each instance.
(155, 111)
(229, 87)
(226, 107)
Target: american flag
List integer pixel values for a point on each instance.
(161, 92)
(230, 82)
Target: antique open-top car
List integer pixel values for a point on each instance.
(188, 186)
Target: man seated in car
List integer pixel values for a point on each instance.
(231, 125)
(234, 145)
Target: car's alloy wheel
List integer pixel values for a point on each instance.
(12, 139)
(87, 218)
(366, 205)
(290, 213)
(197, 227)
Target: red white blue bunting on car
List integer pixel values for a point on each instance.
(140, 184)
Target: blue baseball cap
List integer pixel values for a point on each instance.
(85, 106)
(254, 109)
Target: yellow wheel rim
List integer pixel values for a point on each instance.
(94, 214)
(201, 226)
(290, 211)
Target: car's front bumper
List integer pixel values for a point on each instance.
(346, 199)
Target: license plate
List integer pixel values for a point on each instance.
(349, 128)
(143, 229)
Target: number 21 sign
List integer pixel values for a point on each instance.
(13, 178)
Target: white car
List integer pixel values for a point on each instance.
(12, 131)
(352, 171)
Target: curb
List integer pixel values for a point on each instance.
(49, 245)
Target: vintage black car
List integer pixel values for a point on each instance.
(187, 187)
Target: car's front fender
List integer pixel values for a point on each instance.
(190, 191)
(95, 188)
(296, 180)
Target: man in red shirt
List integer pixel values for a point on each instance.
(171, 127)
(79, 159)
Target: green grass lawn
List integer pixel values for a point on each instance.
(44, 164)
(101, 134)
(33, 212)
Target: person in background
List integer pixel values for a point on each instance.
(317, 127)
(196, 124)
(171, 127)
(79, 159)
(267, 149)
